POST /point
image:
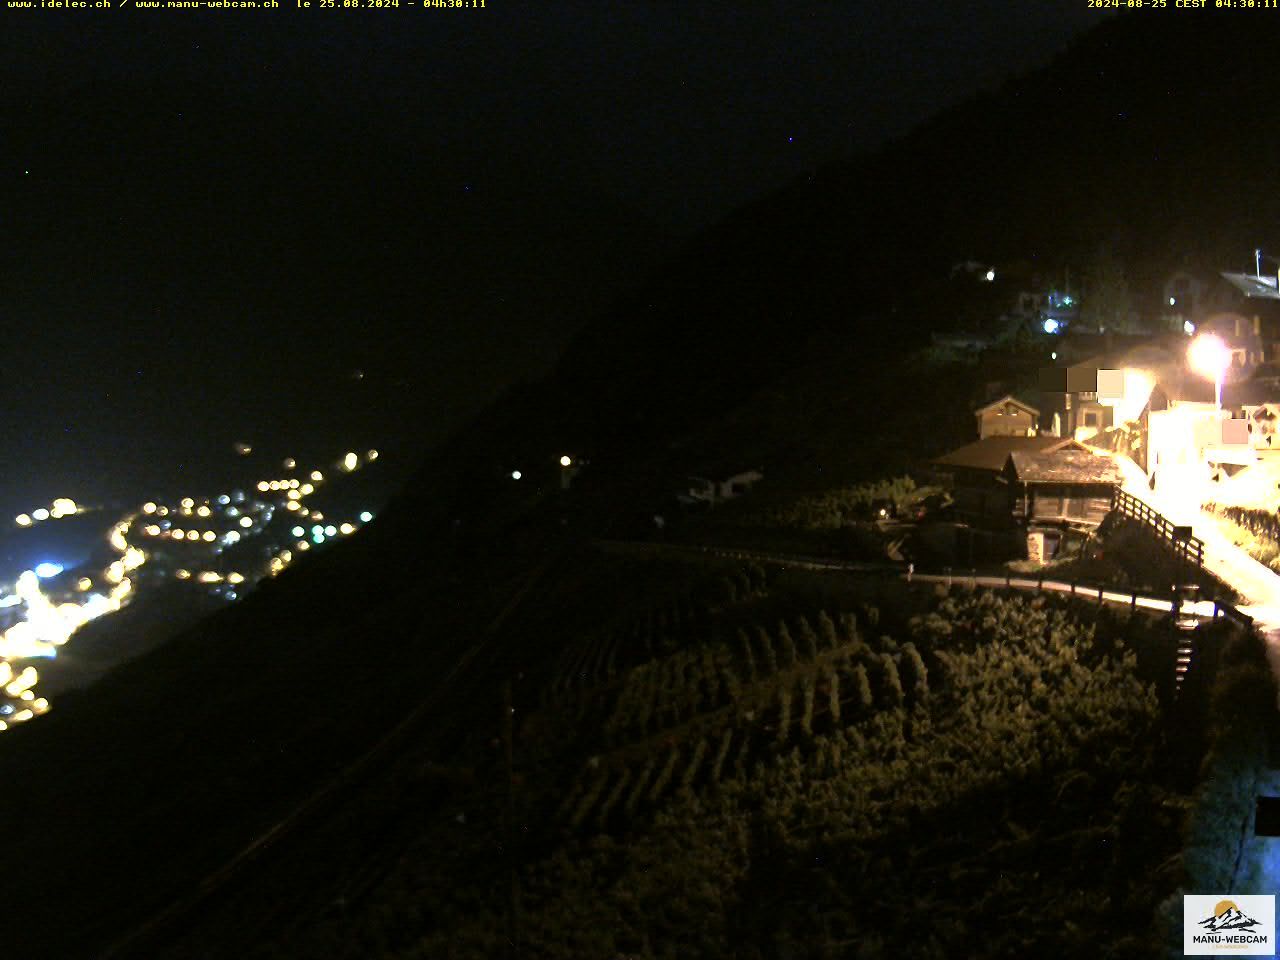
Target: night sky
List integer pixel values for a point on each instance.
(314, 230)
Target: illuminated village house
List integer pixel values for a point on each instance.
(1007, 417)
(1014, 490)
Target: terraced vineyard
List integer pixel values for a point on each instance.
(731, 774)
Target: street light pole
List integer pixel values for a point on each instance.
(1209, 356)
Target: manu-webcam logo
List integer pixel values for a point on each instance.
(1234, 925)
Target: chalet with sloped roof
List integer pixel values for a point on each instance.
(1007, 417)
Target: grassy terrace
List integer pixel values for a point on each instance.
(1257, 532)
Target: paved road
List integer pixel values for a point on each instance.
(1257, 585)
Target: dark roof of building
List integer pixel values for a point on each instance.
(993, 452)
(1007, 398)
(1183, 387)
(1253, 392)
(1063, 466)
(1252, 285)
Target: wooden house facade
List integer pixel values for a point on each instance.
(1007, 417)
(1060, 487)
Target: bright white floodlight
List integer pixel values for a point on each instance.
(1209, 357)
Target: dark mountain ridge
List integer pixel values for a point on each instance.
(1166, 158)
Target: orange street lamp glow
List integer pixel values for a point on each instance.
(1209, 357)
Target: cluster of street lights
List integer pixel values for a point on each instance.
(62, 507)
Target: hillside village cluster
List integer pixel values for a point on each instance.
(1181, 411)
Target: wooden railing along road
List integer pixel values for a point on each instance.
(1127, 505)
(1098, 593)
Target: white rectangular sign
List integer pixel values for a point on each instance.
(1228, 925)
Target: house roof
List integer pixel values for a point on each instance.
(1178, 384)
(1253, 286)
(1007, 398)
(993, 452)
(1252, 392)
(1063, 466)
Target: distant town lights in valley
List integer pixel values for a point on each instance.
(366, 517)
(46, 570)
(566, 461)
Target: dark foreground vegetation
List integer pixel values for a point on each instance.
(795, 765)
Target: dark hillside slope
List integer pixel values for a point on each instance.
(1152, 134)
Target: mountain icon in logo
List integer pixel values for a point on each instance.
(1227, 916)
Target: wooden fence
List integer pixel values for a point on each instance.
(1127, 505)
